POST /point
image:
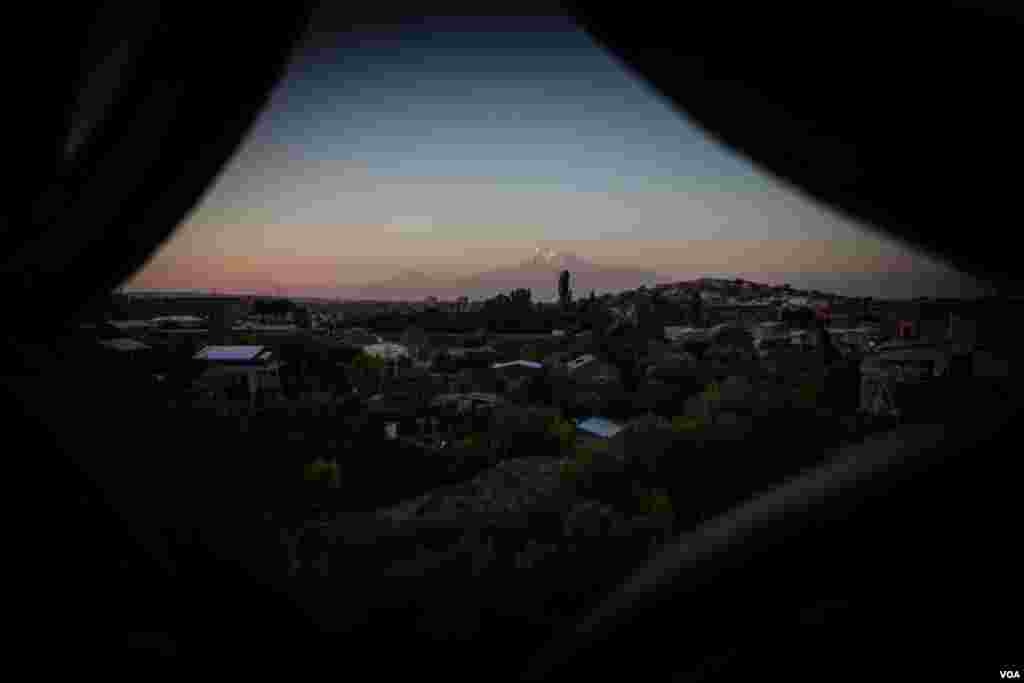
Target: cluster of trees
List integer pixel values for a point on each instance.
(514, 312)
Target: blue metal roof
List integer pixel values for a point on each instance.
(599, 426)
(230, 353)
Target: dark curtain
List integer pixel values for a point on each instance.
(903, 118)
(120, 117)
(127, 113)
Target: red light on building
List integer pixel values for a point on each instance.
(905, 329)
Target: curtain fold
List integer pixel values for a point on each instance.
(904, 119)
(138, 112)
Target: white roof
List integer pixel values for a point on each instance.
(230, 353)
(522, 363)
(578, 363)
(124, 344)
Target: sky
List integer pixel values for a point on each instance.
(457, 146)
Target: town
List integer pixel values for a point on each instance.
(506, 435)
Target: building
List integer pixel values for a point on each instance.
(518, 368)
(730, 341)
(243, 369)
(124, 345)
(132, 327)
(358, 337)
(896, 379)
(769, 336)
(856, 338)
(683, 334)
(588, 369)
(387, 351)
(175, 322)
(415, 339)
(602, 433)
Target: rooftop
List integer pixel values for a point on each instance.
(518, 363)
(124, 344)
(131, 324)
(183, 319)
(599, 426)
(473, 396)
(387, 350)
(232, 353)
(579, 362)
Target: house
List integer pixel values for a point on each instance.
(683, 334)
(518, 369)
(467, 401)
(672, 367)
(962, 333)
(802, 339)
(557, 360)
(643, 437)
(468, 411)
(599, 432)
(124, 345)
(416, 340)
(476, 380)
(588, 369)
(479, 356)
(249, 369)
(769, 337)
(731, 341)
(172, 322)
(131, 326)
(599, 427)
(858, 338)
(898, 375)
(358, 337)
(514, 375)
(521, 427)
(387, 351)
(401, 408)
(265, 329)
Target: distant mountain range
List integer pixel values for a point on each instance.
(539, 274)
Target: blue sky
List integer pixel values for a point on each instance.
(459, 146)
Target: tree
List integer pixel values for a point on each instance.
(564, 431)
(522, 299)
(564, 289)
(696, 309)
(366, 361)
(649, 321)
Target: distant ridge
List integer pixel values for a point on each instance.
(538, 273)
